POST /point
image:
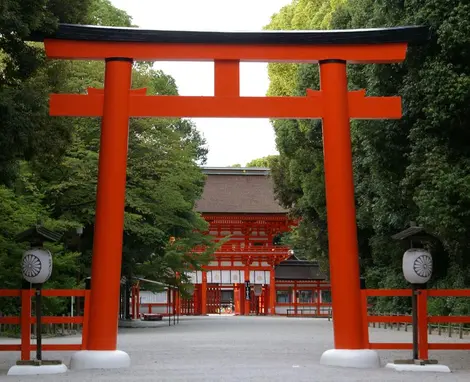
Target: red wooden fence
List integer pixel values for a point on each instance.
(423, 319)
(25, 320)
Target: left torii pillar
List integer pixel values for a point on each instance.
(101, 342)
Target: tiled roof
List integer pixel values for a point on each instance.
(238, 190)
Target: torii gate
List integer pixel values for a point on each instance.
(334, 104)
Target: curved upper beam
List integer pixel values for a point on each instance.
(410, 35)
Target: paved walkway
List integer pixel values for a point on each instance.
(242, 349)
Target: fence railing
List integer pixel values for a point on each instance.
(25, 320)
(441, 329)
(424, 320)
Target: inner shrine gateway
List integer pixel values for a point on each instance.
(334, 104)
(252, 273)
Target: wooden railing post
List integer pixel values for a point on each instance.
(25, 321)
(86, 315)
(318, 294)
(423, 324)
(365, 322)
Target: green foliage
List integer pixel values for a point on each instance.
(413, 169)
(267, 161)
(102, 12)
(25, 127)
(48, 166)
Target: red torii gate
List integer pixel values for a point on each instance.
(334, 104)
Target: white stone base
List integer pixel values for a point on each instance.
(99, 359)
(37, 370)
(361, 358)
(421, 368)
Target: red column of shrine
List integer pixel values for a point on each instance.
(272, 291)
(109, 223)
(341, 213)
(236, 297)
(204, 294)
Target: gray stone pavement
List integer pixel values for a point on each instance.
(242, 349)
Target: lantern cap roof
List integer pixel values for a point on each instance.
(38, 235)
(408, 233)
(416, 235)
(403, 34)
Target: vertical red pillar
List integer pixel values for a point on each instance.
(109, 221)
(296, 300)
(272, 291)
(204, 294)
(423, 346)
(341, 212)
(133, 302)
(168, 301)
(86, 319)
(25, 321)
(365, 321)
(316, 295)
(178, 302)
(236, 298)
(137, 301)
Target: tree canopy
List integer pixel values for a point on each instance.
(48, 166)
(413, 169)
(267, 161)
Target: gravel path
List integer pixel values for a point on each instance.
(243, 348)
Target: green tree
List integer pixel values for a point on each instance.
(55, 173)
(267, 161)
(415, 168)
(23, 101)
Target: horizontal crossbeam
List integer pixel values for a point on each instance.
(147, 51)
(309, 107)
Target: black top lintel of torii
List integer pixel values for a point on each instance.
(411, 35)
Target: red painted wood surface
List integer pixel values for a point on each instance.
(423, 319)
(99, 50)
(25, 320)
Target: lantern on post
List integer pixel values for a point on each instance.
(36, 269)
(417, 269)
(417, 266)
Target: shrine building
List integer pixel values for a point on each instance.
(252, 273)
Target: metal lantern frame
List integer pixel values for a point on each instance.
(415, 238)
(37, 236)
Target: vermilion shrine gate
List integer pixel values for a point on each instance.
(334, 104)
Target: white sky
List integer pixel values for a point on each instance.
(230, 141)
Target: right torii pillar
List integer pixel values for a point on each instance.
(350, 349)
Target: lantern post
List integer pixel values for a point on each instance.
(36, 269)
(417, 269)
(36, 266)
(417, 266)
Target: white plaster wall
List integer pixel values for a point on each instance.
(155, 309)
(283, 309)
(151, 297)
